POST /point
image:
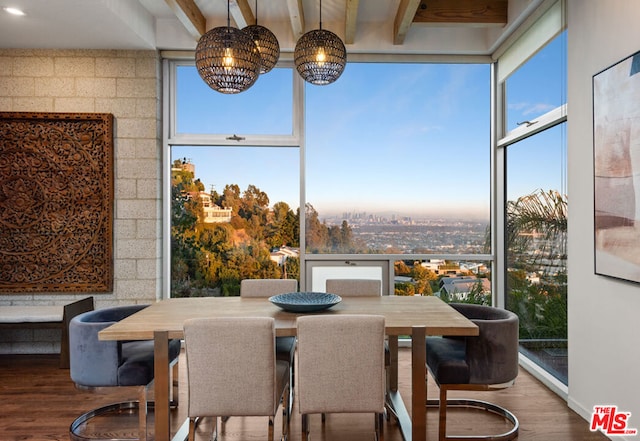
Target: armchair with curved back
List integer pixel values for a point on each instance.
(96, 363)
(486, 362)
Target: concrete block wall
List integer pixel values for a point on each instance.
(128, 85)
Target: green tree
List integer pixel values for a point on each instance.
(477, 295)
(317, 233)
(540, 216)
(281, 227)
(401, 268)
(404, 289)
(422, 276)
(536, 243)
(292, 268)
(184, 217)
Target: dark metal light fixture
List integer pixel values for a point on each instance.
(320, 56)
(227, 59)
(267, 43)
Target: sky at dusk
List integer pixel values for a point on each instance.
(407, 139)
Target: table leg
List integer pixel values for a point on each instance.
(161, 385)
(393, 365)
(418, 383)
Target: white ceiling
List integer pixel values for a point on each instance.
(152, 24)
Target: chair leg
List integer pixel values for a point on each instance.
(141, 406)
(305, 427)
(175, 377)
(192, 429)
(443, 403)
(379, 420)
(270, 437)
(292, 379)
(286, 414)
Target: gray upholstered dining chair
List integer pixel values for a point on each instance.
(354, 287)
(232, 370)
(483, 363)
(267, 287)
(285, 346)
(364, 288)
(341, 366)
(97, 364)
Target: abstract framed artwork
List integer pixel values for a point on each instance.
(616, 149)
(56, 202)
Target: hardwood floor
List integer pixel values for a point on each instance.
(38, 402)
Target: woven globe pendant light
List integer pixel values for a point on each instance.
(266, 42)
(227, 59)
(320, 56)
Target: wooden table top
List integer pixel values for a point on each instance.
(401, 314)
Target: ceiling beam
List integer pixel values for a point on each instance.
(296, 14)
(190, 16)
(351, 20)
(478, 12)
(241, 13)
(404, 17)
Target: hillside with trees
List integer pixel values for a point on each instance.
(212, 258)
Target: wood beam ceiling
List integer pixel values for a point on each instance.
(477, 12)
(404, 17)
(296, 15)
(190, 16)
(439, 12)
(351, 21)
(241, 13)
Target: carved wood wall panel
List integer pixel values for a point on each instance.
(56, 202)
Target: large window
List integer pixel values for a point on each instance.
(398, 160)
(235, 180)
(394, 161)
(538, 86)
(536, 247)
(264, 109)
(535, 205)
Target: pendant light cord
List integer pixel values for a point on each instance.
(320, 14)
(228, 14)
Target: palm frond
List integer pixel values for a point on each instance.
(540, 216)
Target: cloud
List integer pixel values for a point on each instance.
(527, 108)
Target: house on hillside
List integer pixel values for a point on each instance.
(213, 214)
(459, 288)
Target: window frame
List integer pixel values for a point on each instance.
(170, 138)
(542, 33)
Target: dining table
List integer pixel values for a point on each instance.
(413, 317)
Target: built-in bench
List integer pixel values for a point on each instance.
(46, 317)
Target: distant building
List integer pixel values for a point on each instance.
(213, 214)
(433, 264)
(441, 267)
(279, 255)
(185, 165)
(473, 267)
(459, 288)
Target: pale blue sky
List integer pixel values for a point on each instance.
(409, 139)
